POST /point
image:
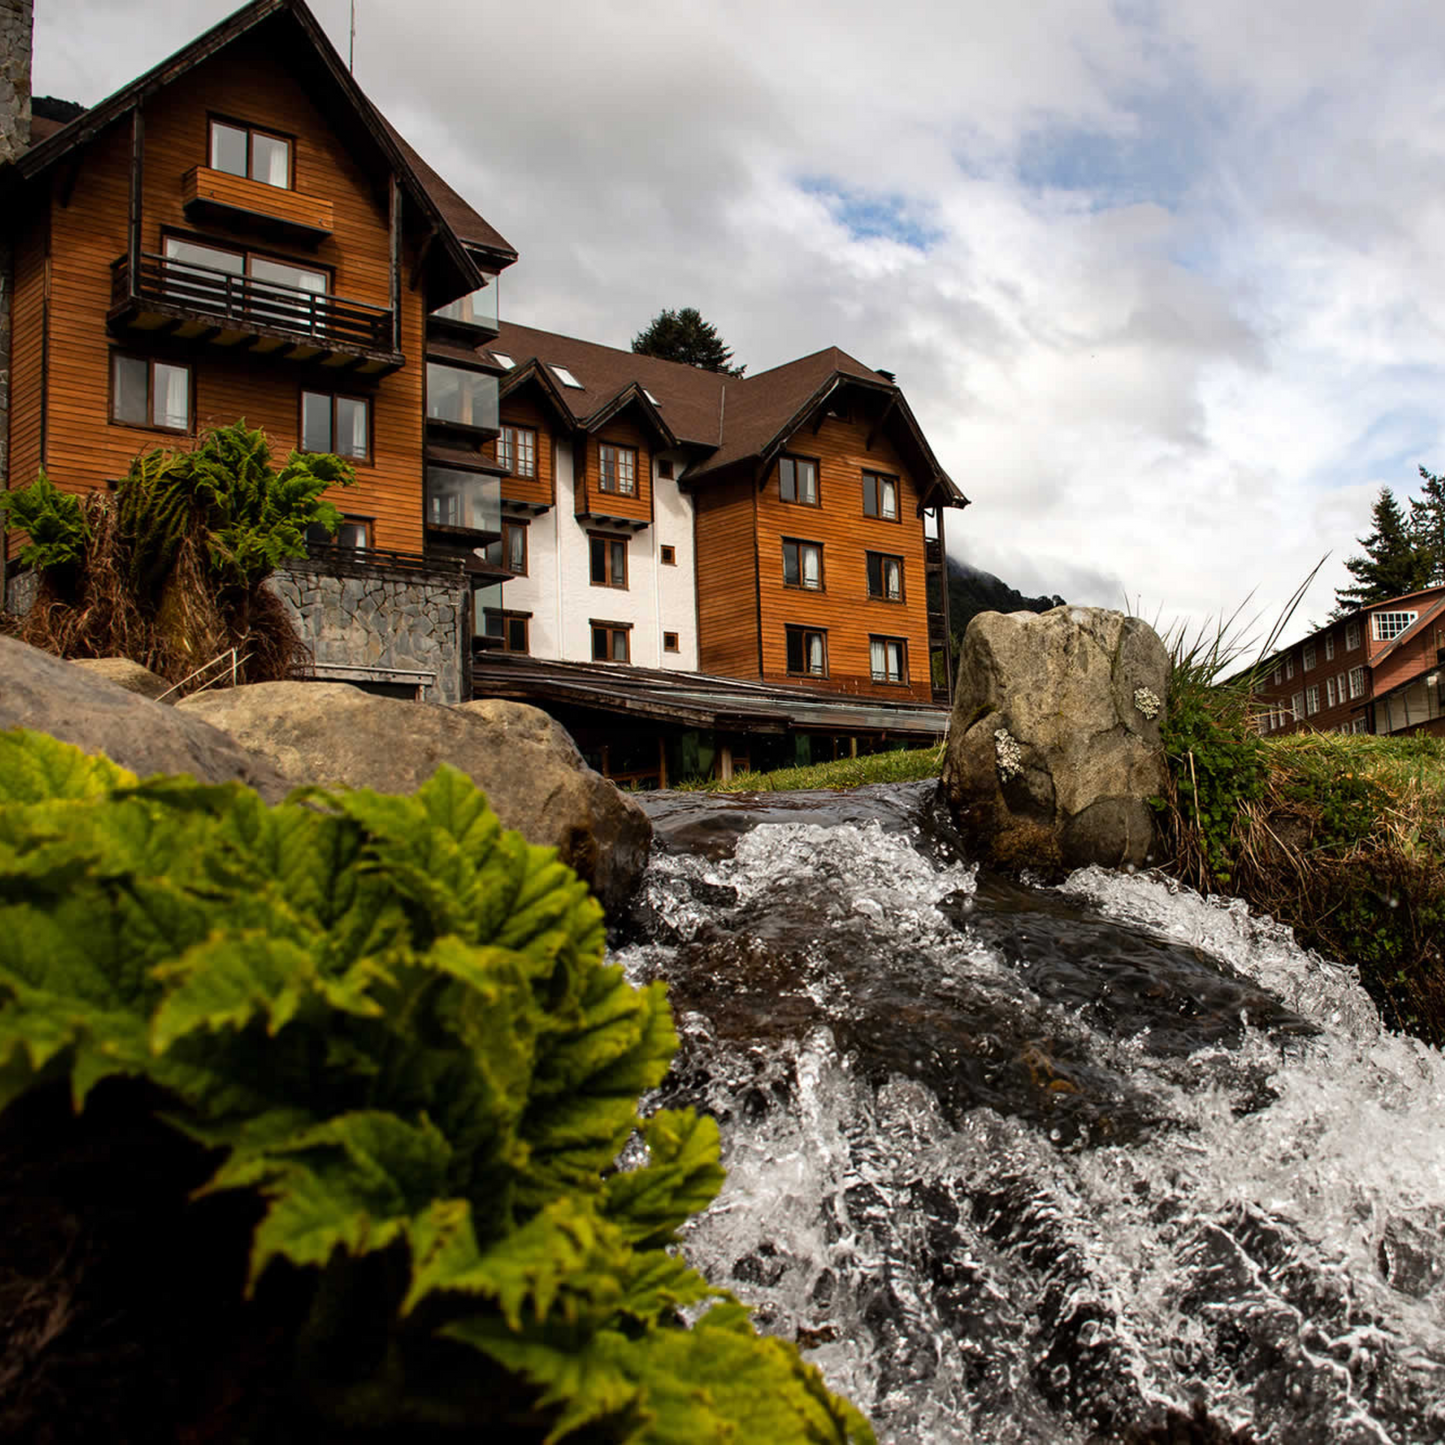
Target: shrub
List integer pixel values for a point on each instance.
(381, 1030)
(53, 520)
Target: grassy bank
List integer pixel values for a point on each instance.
(896, 767)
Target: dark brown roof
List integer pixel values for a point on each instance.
(735, 418)
(42, 127)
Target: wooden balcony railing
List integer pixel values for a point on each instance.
(244, 303)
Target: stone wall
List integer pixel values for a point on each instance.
(381, 625)
(20, 592)
(16, 25)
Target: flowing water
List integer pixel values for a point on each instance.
(1036, 1165)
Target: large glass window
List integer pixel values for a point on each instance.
(798, 480)
(807, 651)
(617, 469)
(462, 398)
(885, 577)
(888, 659)
(469, 500)
(477, 309)
(244, 151)
(803, 565)
(880, 496)
(145, 392)
(337, 424)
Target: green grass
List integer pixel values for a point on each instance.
(896, 767)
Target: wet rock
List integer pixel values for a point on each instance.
(1055, 749)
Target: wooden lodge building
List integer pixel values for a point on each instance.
(240, 233)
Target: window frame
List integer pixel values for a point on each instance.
(804, 631)
(612, 630)
(1289, 668)
(511, 528)
(507, 618)
(667, 555)
(1376, 631)
(619, 448)
(792, 459)
(1297, 706)
(800, 585)
(1329, 647)
(1352, 634)
(608, 558)
(118, 354)
(369, 460)
(902, 643)
(1307, 657)
(878, 515)
(1356, 676)
(213, 120)
(367, 525)
(1312, 699)
(882, 596)
(670, 642)
(508, 444)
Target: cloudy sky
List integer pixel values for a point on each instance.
(1162, 279)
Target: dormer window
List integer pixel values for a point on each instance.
(241, 150)
(565, 376)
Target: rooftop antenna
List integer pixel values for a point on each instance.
(351, 56)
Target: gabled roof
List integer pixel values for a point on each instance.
(1413, 631)
(732, 419)
(439, 208)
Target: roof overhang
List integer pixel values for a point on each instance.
(531, 372)
(631, 395)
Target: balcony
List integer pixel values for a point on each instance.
(166, 297)
(476, 315)
(465, 504)
(464, 399)
(245, 204)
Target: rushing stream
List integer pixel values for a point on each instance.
(1037, 1165)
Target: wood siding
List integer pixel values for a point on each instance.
(84, 449)
(844, 608)
(591, 500)
(724, 544)
(27, 357)
(243, 194)
(540, 490)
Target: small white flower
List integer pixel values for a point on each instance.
(1147, 701)
(1010, 757)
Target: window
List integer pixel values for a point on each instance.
(1357, 682)
(1340, 687)
(512, 628)
(803, 565)
(669, 642)
(808, 651)
(281, 299)
(664, 469)
(517, 450)
(1391, 624)
(1330, 694)
(1352, 636)
(241, 150)
(650, 397)
(502, 359)
(610, 641)
(880, 496)
(798, 480)
(1289, 667)
(1312, 701)
(1329, 647)
(1357, 725)
(1298, 705)
(354, 532)
(1309, 656)
(511, 551)
(337, 424)
(1278, 677)
(145, 392)
(888, 659)
(565, 376)
(669, 556)
(609, 561)
(885, 577)
(617, 469)
(461, 398)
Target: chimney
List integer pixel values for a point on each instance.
(17, 22)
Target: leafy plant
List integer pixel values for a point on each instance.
(388, 1021)
(53, 520)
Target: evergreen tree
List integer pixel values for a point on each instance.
(1393, 563)
(684, 336)
(1427, 524)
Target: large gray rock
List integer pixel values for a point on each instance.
(1052, 751)
(533, 775)
(124, 673)
(41, 692)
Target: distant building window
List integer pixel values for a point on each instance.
(1357, 682)
(354, 533)
(245, 151)
(1289, 667)
(512, 628)
(1352, 636)
(669, 556)
(803, 565)
(1391, 624)
(517, 450)
(611, 642)
(1331, 696)
(150, 393)
(337, 424)
(1329, 647)
(888, 659)
(609, 561)
(1357, 725)
(1297, 705)
(1309, 656)
(798, 480)
(1278, 677)
(880, 496)
(565, 376)
(1312, 701)
(617, 469)
(807, 649)
(885, 577)
(669, 642)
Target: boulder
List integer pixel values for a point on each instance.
(51, 696)
(529, 768)
(125, 673)
(1054, 747)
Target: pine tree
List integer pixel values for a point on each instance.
(1393, 563)
(684, 336)
(1427, 524)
